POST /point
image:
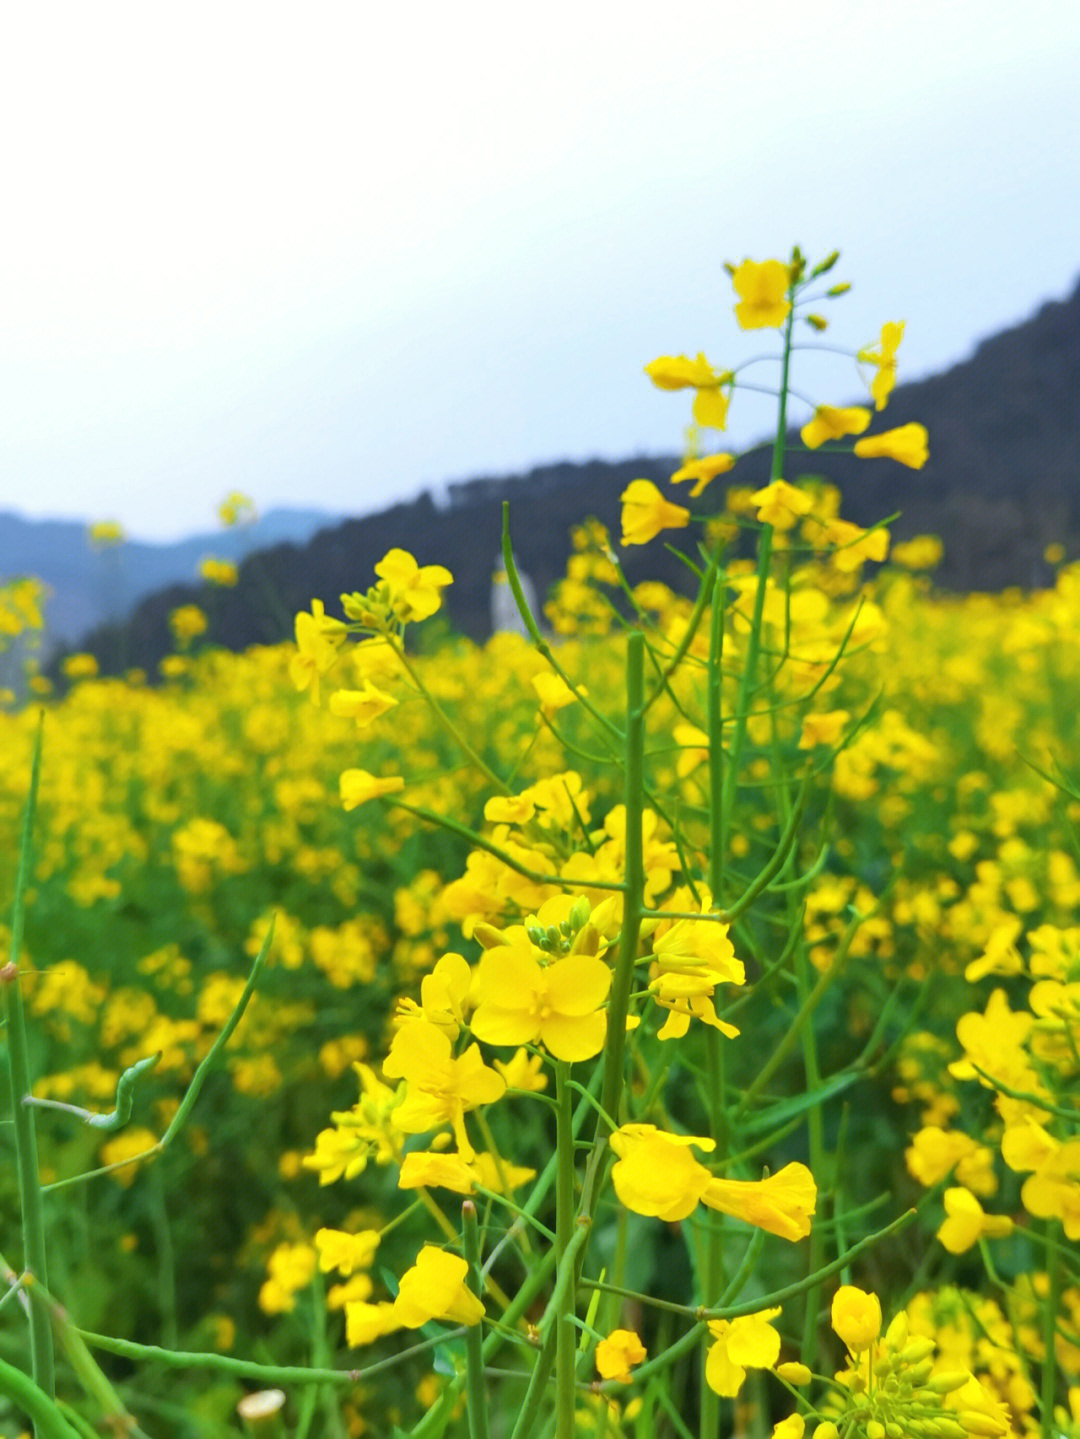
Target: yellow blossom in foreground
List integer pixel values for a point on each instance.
(967, 1223)
(884, 361)
(435, 1288)
(316, 651)
(749, 1342)
(830, 423)
(793, 1427)
(679, 372)
(357, 787)
(555, 694)
(856, 1317)
(616, 1354)
(645, 513)
(364, 1323)
(762, 289)
(362, 705)
(690, 958)
(439, 1087)
(656, 1175)
(521, 1001)
(703, 471)
(908, 445)
(414, 589)
(346, 1252)
(421, 1170)
(781, 505)
(523, 1071)
(781, 1204)
(853, 544)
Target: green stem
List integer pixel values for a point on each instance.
(159, 1219)
(1050, 1310)
(42, 1359)
(753, 643)
(566, 1335)
(634, 899)
(49, 1423)
(709, 1400)
(474, 1344)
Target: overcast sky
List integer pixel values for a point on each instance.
(333, 254)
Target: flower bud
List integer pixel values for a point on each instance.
(918, 1374)
(918, 1349)
(856, 1317)
(826, 1430)
(794, 1373)
(579, 912)
(976, 1422)
(896, 1335)
(948, 1429)
(948, 1380)
(875, 1429)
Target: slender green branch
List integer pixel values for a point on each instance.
(474, 1344)
(116, 1118)
(619, 1000)
(42, 1359)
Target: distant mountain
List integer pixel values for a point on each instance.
(93, 585)
(1002, 482)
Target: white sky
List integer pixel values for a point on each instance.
(334, 253)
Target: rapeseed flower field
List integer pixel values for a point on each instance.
(663, 1022)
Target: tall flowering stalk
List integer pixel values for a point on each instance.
(609, 945)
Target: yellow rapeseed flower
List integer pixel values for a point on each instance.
(908, 445)
(316, 651)
(967, 1222)
(439, 1087)
(781, 1204)
(617, 1354)
(781, 505)
(363, 705)
(656, 1175)
(236, 508)
(558, 1005)
(218, 572)
(749, 1342)
(187, 622)
(414, 589)
(884, 361)
(346, 1252)
(645, 513)
(762, 288)
(435, 1288)
(358, 786)
(833, 424)
(703, 471)
(856, 1317)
